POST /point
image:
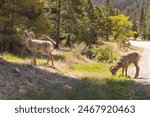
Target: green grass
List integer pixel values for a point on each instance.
(41, 95)
(13, 58)
(114, 88)
(106, 89)
(92, 67)
(95, 70)
(103, 85)
(96, 82)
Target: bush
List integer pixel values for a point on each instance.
(72, 56)
(103, 53)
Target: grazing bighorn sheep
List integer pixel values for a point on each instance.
(39, 45)
(125, 61)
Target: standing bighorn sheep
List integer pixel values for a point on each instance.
(39, 45)
(125, 61)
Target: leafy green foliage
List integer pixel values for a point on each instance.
(138, 10)
(103, 53)
(121, 28)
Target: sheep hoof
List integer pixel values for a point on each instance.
(128, 76)
(53, 67)
(33, 64)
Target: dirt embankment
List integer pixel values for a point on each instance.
(16, 79)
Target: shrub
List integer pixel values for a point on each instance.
(74, 54)
(103, 53)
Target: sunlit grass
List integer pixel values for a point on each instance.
(95, 82)
(92, 67)
(12, 58)
(96, 70)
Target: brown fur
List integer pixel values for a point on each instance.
(38, 45)
(125, 61)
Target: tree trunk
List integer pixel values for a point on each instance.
(68, 43)
(58, 25)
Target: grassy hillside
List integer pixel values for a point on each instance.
(73, 78)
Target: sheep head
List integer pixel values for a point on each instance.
(113, 70)
(29, 34)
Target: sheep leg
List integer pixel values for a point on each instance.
(123, 71)
(33, 62)
(126, 68)
(48, 58)
(137, 70)
(52, 59)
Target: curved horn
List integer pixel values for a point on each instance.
(51, 40)
(31, 34)
(111, 68)
(26, 33)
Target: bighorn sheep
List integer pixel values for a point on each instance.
(125, 61)
(39, 45)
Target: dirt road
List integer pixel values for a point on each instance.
(144, 76)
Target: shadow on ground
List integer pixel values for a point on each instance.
(22, 81)
(110, 89)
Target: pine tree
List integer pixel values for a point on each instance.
(109, 11)
(18, 15)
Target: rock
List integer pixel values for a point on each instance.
(22, 91)
(74, 61)
(9, 73)
(17, 70)
(2, 61)
(1, 77)
(3, 84)
(67, 88)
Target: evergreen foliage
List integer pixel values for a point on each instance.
(139, 12)
(72, 20)
(19, 15)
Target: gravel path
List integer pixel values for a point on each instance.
(144, 76)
